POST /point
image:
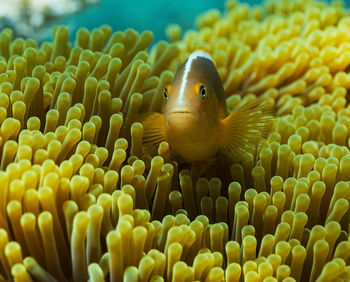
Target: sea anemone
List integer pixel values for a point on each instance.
(80, 199)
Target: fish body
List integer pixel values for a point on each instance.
(195, 121)
(191, 120)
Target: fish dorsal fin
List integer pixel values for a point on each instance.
(245, 127)
(153, 129)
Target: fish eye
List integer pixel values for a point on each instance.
(165, 93)
(202, 91)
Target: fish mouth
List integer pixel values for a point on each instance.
(182, 112)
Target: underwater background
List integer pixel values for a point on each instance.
(82, 195)
(153, 15)
(140, 15)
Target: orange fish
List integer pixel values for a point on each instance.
(195, 121)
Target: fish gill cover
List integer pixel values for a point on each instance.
(80, 200)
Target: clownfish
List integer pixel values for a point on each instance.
(195, 122)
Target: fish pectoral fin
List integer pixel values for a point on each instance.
(153, 130)
(245, 127)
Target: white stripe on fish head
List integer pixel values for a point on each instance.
(190, 60)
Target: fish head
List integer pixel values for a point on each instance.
(194, 104)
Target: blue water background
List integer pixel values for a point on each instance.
(141, 15)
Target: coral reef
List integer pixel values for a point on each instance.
(79, 198)
(28, 18)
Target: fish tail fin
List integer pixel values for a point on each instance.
(245, 127)
(153, 131)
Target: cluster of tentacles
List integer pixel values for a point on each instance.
(80, 199)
